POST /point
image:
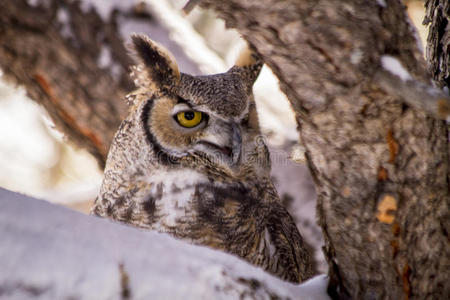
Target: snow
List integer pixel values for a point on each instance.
(33, 3)
(274, 110)
(104, 58)
(50, 252)
(381, 3)
(106, 61)
(356, 56)
(160, 34)
(315, 288)
(182, 32)
(105, 8)
(36, 3)
(63, 18)
(20, 149)
(303, 206)
(394, 66)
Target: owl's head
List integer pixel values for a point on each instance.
(190, 120)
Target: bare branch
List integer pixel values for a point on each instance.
(416, 94)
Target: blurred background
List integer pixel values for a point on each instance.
(38, 160)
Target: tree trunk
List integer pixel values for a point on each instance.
(380, 165)
(438, 43)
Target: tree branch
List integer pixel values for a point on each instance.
(419, 95)
(70, 57)
(438, 42)
(105, 260)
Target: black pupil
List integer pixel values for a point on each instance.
(189, 115)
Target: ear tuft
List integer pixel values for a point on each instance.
(248, 65)
(160, 66)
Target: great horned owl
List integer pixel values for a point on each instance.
(189, 161)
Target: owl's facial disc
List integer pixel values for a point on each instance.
(222, 141)
(184, 131)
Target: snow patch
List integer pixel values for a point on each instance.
(394, 66)
(104, 58)
(315, 288)
(63, 18)
(36, 3)
(356, 56)
(274, 109)
(105, 8)
(106, 61)
(116, 71)
(46, 247)
(33, 3)
(183, 33)
(381, 3)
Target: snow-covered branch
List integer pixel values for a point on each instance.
(50, 252)
(396, 80)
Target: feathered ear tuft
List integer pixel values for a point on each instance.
(248, 65)
(159, 65)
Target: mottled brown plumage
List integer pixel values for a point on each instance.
(209, 183)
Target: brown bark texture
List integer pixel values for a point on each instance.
(52, 49)
(380, 166)
(438, 43)
(70, 57)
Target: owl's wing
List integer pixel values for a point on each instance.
(291, 254)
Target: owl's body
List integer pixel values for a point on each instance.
(188, 161)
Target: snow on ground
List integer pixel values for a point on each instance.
(50, 252)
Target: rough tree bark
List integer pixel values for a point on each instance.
(70, 57)
(380, 165)
(47, 49)
(438, 44)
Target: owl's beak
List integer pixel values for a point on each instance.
(223, 142)
(236, 141)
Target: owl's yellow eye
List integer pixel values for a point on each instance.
(190, 118)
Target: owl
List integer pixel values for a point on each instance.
(189, 161)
